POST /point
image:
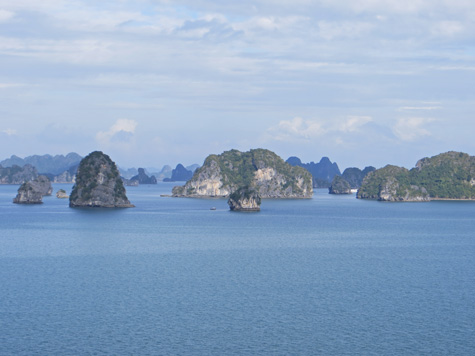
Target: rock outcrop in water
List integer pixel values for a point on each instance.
(339, 186)
(260, 169)
(32, 192)
(244, 199)
(61, 194)
(98, 184)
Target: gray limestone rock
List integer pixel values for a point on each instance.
(245, 199)
(98, 184)
(32, 192)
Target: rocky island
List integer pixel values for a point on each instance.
(262, 170)
(244, 199)
(445, 176)
(98, 184)
(32, 192)
(61, 194)
(339, 186)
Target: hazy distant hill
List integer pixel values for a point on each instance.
(45, 164)
(322, 172)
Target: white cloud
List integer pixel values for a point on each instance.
(353, 123)
(411, 108)
(6, 15)
(10, 85)
(296, 128)
(121, 132)
(447, 28)
(9, 132)
(410, 129)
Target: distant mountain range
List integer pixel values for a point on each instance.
(322, 172)
(62, 169)
(53, 165)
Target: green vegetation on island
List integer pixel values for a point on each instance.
(259, 169)
(98, 184)
(245, 199)
(448, 175)
(339, 186)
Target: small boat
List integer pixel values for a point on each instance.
(212, 208)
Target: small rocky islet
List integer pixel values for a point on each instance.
(245, 199)
(32, 192)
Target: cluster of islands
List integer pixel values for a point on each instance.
(244, 178)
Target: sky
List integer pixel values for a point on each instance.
(154, 82)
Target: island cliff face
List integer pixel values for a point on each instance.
(339, 186)
(260, 169)
(445, 176)
(98, 184)
(32, 192)
(244, 199)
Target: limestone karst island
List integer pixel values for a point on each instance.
(98, 184)
(244, 178)
(261, 170)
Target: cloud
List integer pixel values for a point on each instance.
(410, 129)
(122, 132)
(296, 128)
(9, 132)
(354, 123)
(447, 28)
(6, 15)
(411, 108)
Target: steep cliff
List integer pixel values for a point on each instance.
(339, 186)
(245, 199)
(260, 169)
(391, 183)
(98, 184)
(445, 176)
(32, 192)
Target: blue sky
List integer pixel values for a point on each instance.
(154, 82)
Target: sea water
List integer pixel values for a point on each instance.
(332, 275)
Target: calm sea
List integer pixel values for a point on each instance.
(331, 275)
